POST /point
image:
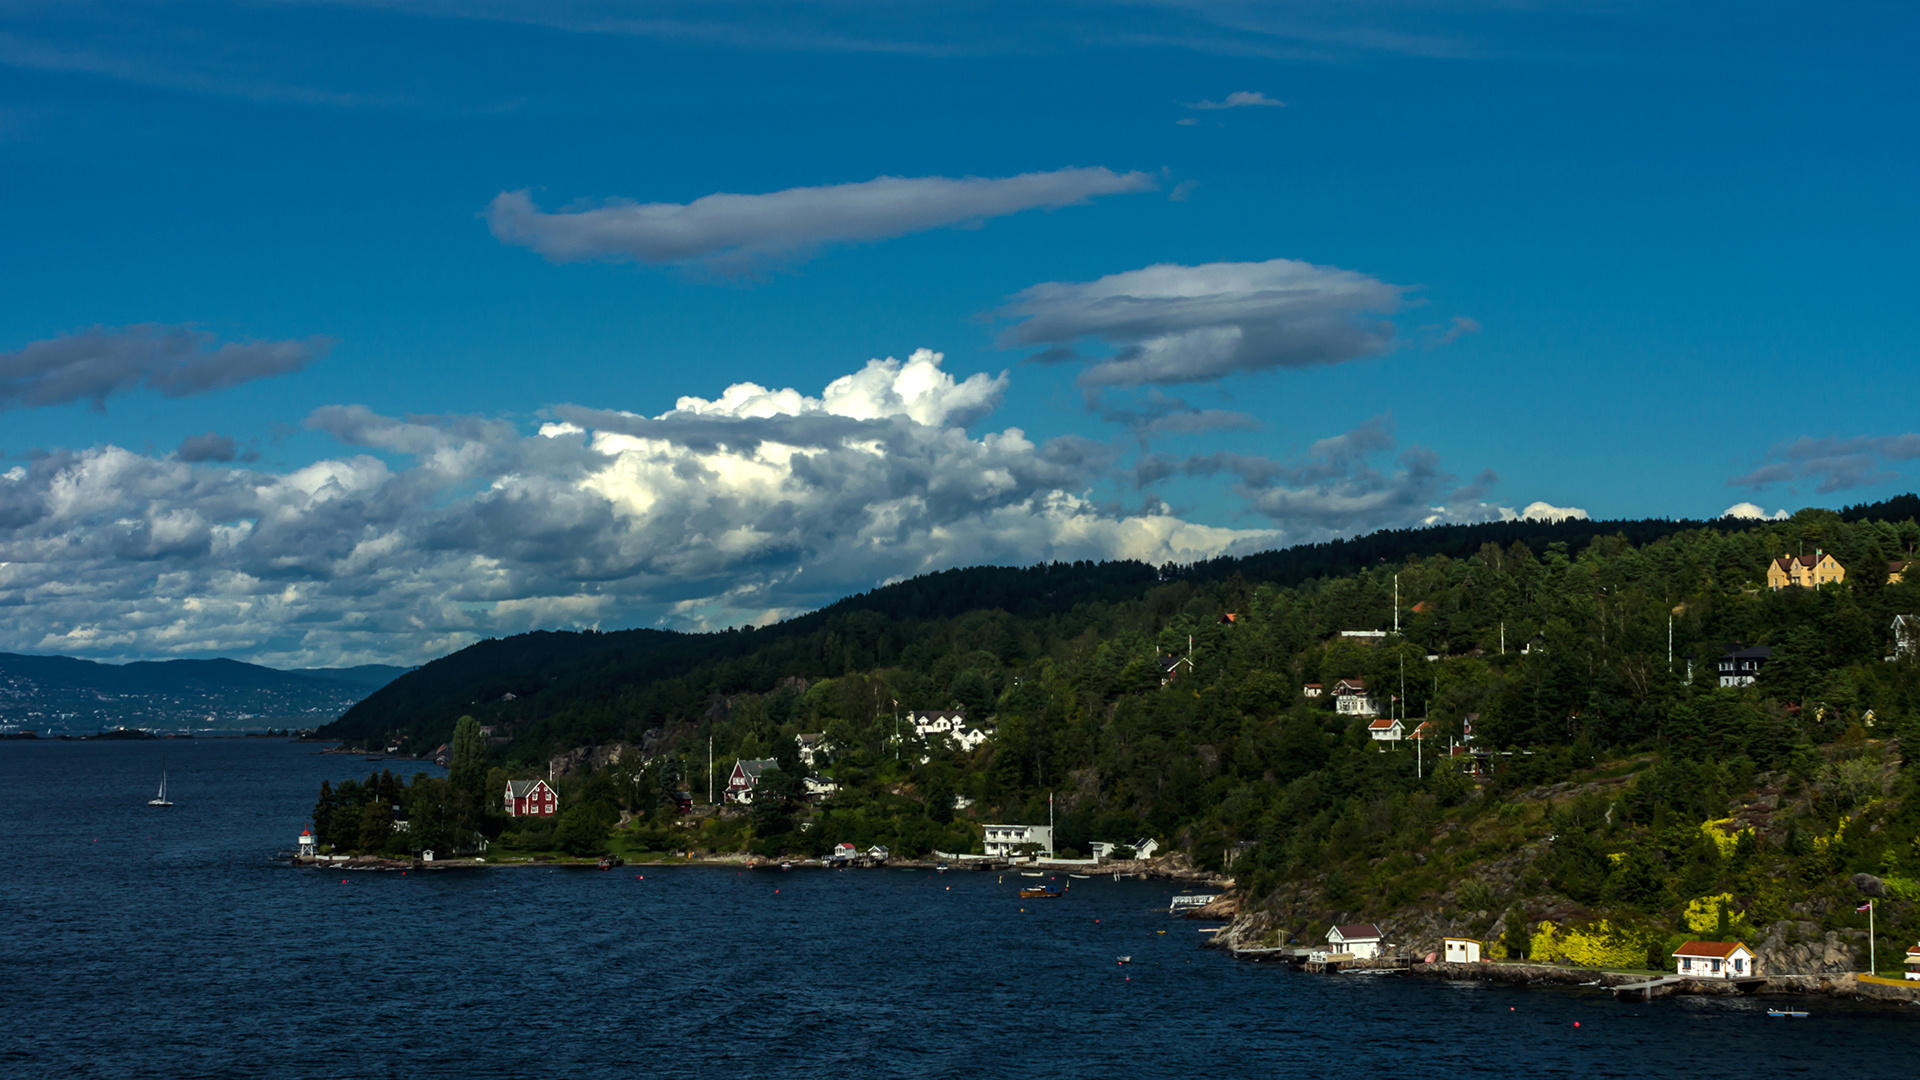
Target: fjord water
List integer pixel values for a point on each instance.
(142, 942)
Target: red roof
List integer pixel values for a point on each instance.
(1382, 724)
(1712, 950)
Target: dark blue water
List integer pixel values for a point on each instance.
(140, 942)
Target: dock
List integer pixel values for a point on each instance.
(1190, 902)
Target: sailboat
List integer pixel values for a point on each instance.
(161, 799)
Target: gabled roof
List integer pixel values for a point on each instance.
(520, 789)
(1168, 663)
(917, 715)
(1382, 724)
(1710, 950)
(1359, 685)
(1360, 931)
(1736, 651)
(753, 767)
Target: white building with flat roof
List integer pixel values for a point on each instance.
(1003, 841)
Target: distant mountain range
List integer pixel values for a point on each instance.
(60, 693)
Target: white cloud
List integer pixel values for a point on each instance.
(741, 507)
(1239, 99)
(1544, 511)
(736, 231)
(1184, 324)
(174, 361)
(1750, 512)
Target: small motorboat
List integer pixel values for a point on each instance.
(940, 868)
(1125, 959)
(1784, 1014)
(608, 862)
(1040, 892)
(1033, 873)
(1078, 877)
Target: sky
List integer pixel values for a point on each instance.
(350, 332)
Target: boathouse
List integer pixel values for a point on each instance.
(1713, 960)
(531, 798)
(1360, 940)
(1461, 950)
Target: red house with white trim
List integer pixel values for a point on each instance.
(531, 798)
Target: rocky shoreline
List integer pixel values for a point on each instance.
(1848, 985)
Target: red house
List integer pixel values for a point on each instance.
(531, 798)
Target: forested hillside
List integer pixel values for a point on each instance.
(1613, 790)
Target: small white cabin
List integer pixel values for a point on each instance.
(1386, 729)
(1461, 950)
(1361, 940)
(1713, 960)
(1913, 963)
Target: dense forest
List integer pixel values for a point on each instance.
(1616, 798)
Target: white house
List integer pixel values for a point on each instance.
(1170, 668)
(1906, 636)
(878, 853)
(815, 750)
(1913, 963)
(1361, 940)
(1386, 729)
(843, 851)
(948, 725)
(1312, 690)
(1713, 960)
(1350, 698)
(1365, 637)
(1461, 950)
(1001, 840)
(1143, 848)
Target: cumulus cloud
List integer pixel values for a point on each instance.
(1239, 99)
(1354, 482)
(735, 231)
(1832, 464)
(428, 533)
(1747, 511)
(1544, 511)
(1169, 324)
(174, 361)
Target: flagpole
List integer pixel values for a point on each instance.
(1872, 968)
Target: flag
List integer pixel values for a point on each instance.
(1868, 906)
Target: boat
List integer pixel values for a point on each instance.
(1125, 959)
(161, 799)
(1040, 892)
(941, 868)
(1033, 873)
(1078, 877)
(1781, 1014)
(608, 862)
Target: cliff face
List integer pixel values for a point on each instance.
(1794, 947)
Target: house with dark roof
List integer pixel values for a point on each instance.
(531, 798)
(1906, 636)
(1170, 668)
(1350, 698)
(1713, 960)
(1360, 940)
(745, 777)
(1739, 665)
(1804, 571)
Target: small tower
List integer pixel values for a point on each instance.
(309, 847)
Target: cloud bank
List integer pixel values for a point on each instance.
(174, 361)
(735, 231)
(1356, 482)
(1752, 512)
(745, 507)
(1832, 464)
(1170, 324)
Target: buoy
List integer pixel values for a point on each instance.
(1576, 1023)
(343, 881)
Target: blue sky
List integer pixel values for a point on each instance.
(293, 289)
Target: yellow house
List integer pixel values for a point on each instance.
(1804, 571)
(1896, 571)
